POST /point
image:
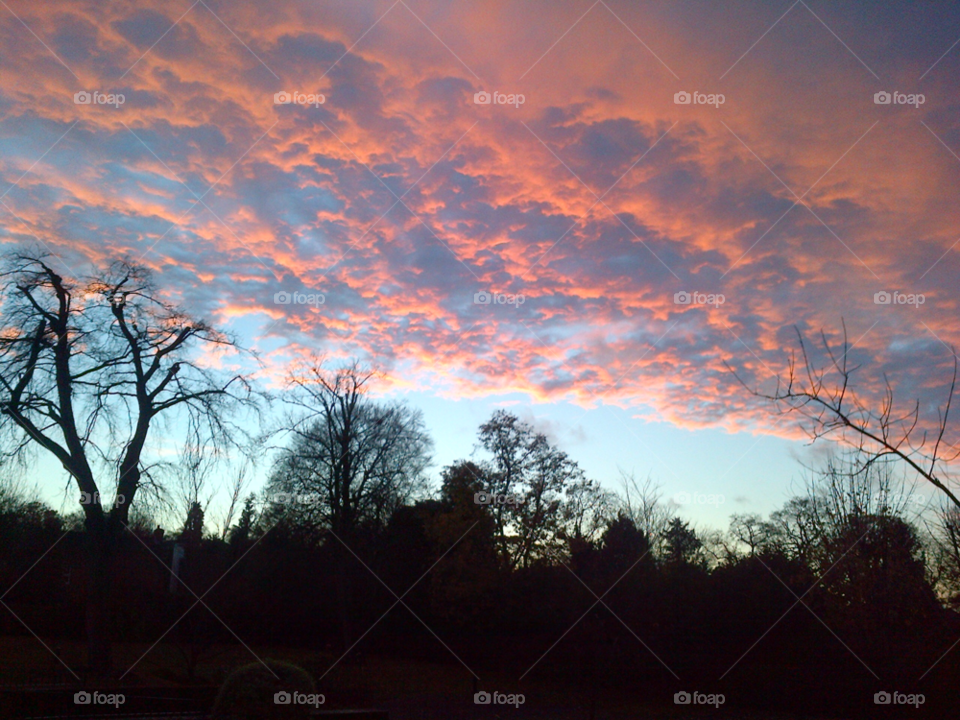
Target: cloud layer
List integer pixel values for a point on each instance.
(598, 199)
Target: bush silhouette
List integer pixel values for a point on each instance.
(248, 692)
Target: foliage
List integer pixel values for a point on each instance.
(533, 475)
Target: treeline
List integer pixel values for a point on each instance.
(520, 564)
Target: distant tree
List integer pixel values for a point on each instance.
(527, 466)
(234, 494)
(587, 510)
(944, 539)
(878, 553)
(19, 509)
(643, 503)
(352, 460)
(244, 531)
(623, 545)
(795, 530)
(751, 532)
(846, 486)
(461, 482)
(13, 493)
(462, 580)
(874, 576)
(192, 532)
(721, 548)
(87, 370)
(842, 489)
(351, 463)
(681, 544)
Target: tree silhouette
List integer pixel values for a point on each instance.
(86, 370)
(460, 584)
(351, 464)
(681, 544)
(243, 532)
(527, 468)
(192, 532)
(624, 544)
(826, 398)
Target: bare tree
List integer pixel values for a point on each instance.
(234, 494)
(795, 528)
(643, 504)
(587, 510)
(14, 492)
(846, 486)
(944, 540)
(825, 397)
(354, 460)
(192, 473)
(843, 494)
(750, 531)
(87, 369)
(719, 547)
(351, 463)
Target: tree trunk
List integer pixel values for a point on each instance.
(343, 573)
(99, 612)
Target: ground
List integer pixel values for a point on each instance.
(408, 690)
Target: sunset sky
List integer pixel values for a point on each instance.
(597, 200)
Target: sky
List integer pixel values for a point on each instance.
(507, 203)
